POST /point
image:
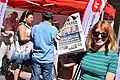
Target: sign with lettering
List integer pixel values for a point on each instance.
(72, 39)
(92, 14)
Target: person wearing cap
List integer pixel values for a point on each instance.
(42, 36)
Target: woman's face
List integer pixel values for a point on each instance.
(100, 37)
(29, 19)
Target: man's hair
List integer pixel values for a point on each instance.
(47, 15)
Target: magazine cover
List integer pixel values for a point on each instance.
(72, 39)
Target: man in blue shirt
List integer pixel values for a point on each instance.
(42, 36)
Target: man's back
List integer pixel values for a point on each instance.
(42, 37)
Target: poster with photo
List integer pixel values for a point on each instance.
(72, 39)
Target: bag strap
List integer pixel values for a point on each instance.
(77, 72)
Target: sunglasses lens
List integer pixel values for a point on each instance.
(96, 34)
(103, 34)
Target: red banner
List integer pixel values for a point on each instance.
(3, 1)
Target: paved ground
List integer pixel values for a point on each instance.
(23, 76)
(64, 73)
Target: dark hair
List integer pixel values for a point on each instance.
(25, 15)
(15, 13)
(56, 24)
(47, 15)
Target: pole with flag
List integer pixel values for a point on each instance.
(92, 14)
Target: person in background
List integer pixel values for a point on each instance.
(10, 25)
(42, 36)
(23, 45)
(101, 60)
(60, 72)
(55, 25)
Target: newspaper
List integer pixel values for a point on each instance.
(72, 39)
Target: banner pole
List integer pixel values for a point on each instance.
(102, 16)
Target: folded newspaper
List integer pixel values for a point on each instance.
(72, 39)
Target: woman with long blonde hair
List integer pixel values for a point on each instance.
(100, 61)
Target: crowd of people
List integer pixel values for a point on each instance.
(36, 46)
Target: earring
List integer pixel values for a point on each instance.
(24, 20)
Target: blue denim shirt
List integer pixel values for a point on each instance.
(42, 36)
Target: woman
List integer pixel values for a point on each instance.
(23, 45)
(10, 25)
(100, 61)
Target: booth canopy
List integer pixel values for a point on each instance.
(64, 7)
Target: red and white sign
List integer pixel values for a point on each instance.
(92, 14)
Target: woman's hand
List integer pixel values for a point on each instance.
(58, 37)
(110, 76)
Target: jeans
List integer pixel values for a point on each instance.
(44, 69)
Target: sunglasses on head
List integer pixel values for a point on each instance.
(97, 33)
